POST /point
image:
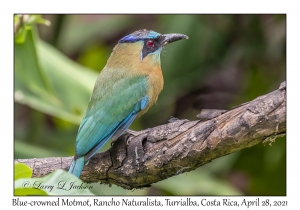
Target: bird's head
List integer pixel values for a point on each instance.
(150, 42)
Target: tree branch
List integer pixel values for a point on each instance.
(179, 146)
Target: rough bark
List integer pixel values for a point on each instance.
(181, 145)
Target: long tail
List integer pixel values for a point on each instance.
(77, 166)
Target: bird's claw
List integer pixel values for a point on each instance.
(128, 141)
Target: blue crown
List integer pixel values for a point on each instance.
(140, 35)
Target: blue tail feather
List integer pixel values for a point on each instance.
(77, 166)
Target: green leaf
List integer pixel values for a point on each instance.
(29, 75)
(21, 35)
(49, 82)
(58, 182)
(23, 23)
(74, 91)
(28, 191)
(22, 171)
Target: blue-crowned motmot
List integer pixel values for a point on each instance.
(127, 86)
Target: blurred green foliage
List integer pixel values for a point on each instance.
(227, 60)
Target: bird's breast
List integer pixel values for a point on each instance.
(155, 86)
(126, 61)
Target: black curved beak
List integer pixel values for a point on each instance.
(168, 38)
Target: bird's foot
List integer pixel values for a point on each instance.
(132, 132)
(132, 135)
(135, 134)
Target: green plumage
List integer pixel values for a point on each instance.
(121, 93)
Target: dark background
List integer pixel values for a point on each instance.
(227, 60)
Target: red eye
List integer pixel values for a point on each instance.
(150, 43)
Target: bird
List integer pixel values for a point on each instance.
(125, 89)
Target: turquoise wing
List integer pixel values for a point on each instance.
(111, 110)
